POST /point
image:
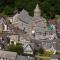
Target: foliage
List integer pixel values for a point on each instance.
(16, 48)
(45, 59)
(57, 52)
(49, 8)
(41, 51)
(58, 58)
(49, 53)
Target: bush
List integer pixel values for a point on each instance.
(41, 51)
(58, 58)
(16, 48)
(48, 53)
(57, 52)
(8, 10)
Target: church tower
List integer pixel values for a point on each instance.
(37, 12)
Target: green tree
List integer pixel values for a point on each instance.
(49, 8)
(16, 48)
(41, 51)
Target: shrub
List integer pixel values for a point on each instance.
(16, 48)
(41, 51)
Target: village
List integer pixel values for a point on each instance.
(23, 37)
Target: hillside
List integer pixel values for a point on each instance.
(49, 8)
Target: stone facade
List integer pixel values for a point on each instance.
(6, 55)
(35, 27)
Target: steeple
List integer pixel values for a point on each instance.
(37, 11)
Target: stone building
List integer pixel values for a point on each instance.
(23, 28)
(6, 55)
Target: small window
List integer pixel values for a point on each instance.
(50, 33)
(44, 34)
(5, 59)
(40, 33)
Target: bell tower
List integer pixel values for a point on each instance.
(37, 12)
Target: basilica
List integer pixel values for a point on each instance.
(32, 31)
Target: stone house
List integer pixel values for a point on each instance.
(24, 28)
(6, 55)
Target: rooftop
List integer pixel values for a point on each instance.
(8, 54)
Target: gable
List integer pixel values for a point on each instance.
(28, 48)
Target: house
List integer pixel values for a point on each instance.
(36, 28)
(22, 58)
(55, 57)
(7, 55)
(10, 31)
(23, 28)
(25, 58)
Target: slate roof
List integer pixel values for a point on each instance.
(24, 16)
(22, 58)
(28, 47)
(51, 21)
(55, 56)
(8, 54)
(57, 45)
(17, 30)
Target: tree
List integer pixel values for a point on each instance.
(49, 8)
(41, 51)
(16, 48)
(8, 10)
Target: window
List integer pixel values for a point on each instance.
(8, 59)
(1, 58)
(49, 45)
(50, 33)
(5, 27)
(5, 59)
(12, 42)
(44, 34)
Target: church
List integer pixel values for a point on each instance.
(24, 28)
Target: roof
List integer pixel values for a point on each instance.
(24, 16)
(52, 21)
(55, 56)
(22, 58)
(57, 46)
(27, 47)
(8, 54)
